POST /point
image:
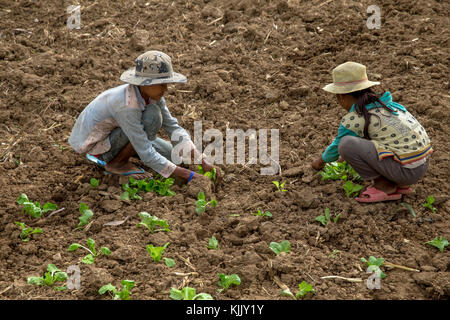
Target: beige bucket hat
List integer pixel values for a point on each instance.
(349, 77)
(152, 67)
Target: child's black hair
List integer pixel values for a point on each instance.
(365, 97)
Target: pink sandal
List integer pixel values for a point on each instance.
(404, 190)
(375, 195)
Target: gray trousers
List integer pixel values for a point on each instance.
(152, 121)
(363, 157)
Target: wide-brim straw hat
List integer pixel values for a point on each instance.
(349, 77)
(152, 67)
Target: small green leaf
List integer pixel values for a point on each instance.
(169, 262)
(176, 294)
(94, 183)
(74, 246)
(89, 259)
(213, 243)
(107, 287)
(105, 251)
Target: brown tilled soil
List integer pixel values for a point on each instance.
(251, 64)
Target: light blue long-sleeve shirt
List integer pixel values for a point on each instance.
(122, 107)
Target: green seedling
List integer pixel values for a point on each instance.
(351, 189)
(160, 186)
(339, 171)
(34, 209)
(156, 252)
(188, 293)
(439, 243)
(125, 294)
(90, 258)
(201, 203)
(27, 232)
(303, 289)
(150, 222)
(374, 265)
(94, 183)
(86, 215)
(407, 205)
(226, 281)
(259, 213)
(335, 253)
(429, 204)
(327, 218)
(209, 174)
(278, 248)
(130, 193)
(280, 187)
(52, 276)
(213, 243)
(169, 262)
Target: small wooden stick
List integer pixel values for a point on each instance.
(185, 274)
(388, 264)
(59, 210)
(347, 279)
(214, 21)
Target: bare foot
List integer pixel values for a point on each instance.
(384, 185)
(127, 167)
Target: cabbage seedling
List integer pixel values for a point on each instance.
(259, 213)
(94, 183)
(439, 243)
(34, 209)
(52, 276)
(374, 265)
(127, 285)
(280, 187)
(152, 221)
(86, 215)
(201, 203)
(188, 293)
(162, 187)
(351, 189)
(283, 246)
(213, 243)
(327, 218)
(226, 281)
(156, 252)
(209, 174)
(90, 258)
(303, 289)
(130, 193)
(169, 262)
(429, 204)
(27, 232)
(339, 171)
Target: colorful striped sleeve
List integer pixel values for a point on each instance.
(331, 152)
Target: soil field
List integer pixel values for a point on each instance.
(256, 64)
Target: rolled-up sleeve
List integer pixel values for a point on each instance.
(130, 122)
(331, 152)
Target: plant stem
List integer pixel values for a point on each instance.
(388, 264)
(347, 279)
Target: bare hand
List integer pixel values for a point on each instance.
(318, 163)
(208, 167)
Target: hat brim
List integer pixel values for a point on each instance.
(349, 88)
(129, 76)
